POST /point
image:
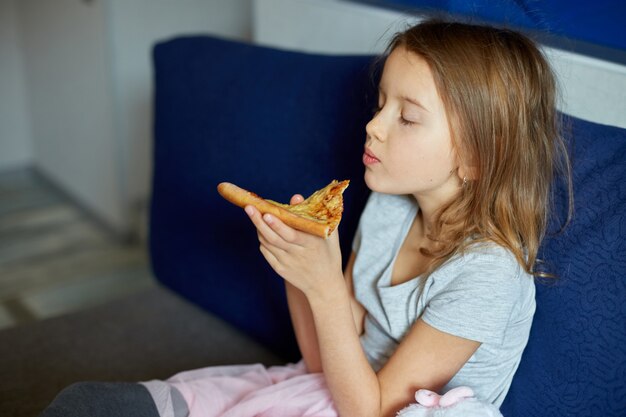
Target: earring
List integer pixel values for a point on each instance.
(464, 182)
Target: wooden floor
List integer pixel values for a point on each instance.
(54, 258)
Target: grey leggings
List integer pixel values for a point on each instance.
(102, 399)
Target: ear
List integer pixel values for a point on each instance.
(469, 172)
(467, 167)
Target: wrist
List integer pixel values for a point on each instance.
(332, 293)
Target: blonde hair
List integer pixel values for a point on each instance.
(500, 96)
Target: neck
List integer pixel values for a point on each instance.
(431, 201)
(426, 217)
(430, 205)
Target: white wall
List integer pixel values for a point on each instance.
(15, 141)
(325, 26)
(76, 79)
(70, 99)
(135, 26)
(592, 89)
(88, 75)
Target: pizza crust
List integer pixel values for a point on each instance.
(319, 214)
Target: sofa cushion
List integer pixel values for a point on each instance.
(274, 122)
(575, 361)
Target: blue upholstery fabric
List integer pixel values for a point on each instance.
(273, 122)
(575, 361)
(598, 22)
(280, 122)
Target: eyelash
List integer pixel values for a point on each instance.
(405, 122)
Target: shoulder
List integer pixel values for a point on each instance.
(485, 267)
(490, 255)
(477, 293)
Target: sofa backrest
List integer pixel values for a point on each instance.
(575, 360)
(279, 123)
(276, 123)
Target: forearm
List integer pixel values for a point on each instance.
(302, 321)
(351, 380)
(313, 265)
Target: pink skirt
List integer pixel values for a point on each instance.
(244, 391)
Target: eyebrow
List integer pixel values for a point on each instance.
(414, 101)
(409, 99)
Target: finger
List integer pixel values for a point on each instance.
(286, 233)
(275, 249)
(264, 229)
(270, 257)
(296, 199)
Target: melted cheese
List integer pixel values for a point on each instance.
(323, 206)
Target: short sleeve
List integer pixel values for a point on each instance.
(477, 302)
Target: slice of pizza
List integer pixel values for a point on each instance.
(319, 214)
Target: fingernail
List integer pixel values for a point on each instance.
(268, 219)
(249, 210)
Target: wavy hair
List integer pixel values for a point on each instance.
(500, 96)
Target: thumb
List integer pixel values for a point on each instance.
(296, 199)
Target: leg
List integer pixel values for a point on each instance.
(102, 399)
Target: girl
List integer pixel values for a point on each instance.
(438, 291)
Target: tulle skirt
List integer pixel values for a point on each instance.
(244, 391)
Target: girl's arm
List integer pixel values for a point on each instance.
(426, 358)
(358, 311)
(302, 319)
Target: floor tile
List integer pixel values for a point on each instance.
(76, 295)
(54, 257)
(78, 263)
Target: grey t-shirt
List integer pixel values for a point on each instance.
(482, 295)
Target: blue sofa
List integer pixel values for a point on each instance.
(280, 122)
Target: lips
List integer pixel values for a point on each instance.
(369, 158)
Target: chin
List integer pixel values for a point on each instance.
(374, 185)
(384, 187)
(371, 184)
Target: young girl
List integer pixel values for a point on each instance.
(438, 291)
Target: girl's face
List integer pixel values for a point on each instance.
(409, 149)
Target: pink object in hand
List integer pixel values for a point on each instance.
(430, 399)
(427, 398)
(458, 402)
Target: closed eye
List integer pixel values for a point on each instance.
(406, 122)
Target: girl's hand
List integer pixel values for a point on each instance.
(310, 263)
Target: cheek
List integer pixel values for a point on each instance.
(427, 161)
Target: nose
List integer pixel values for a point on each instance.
(374, 128)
